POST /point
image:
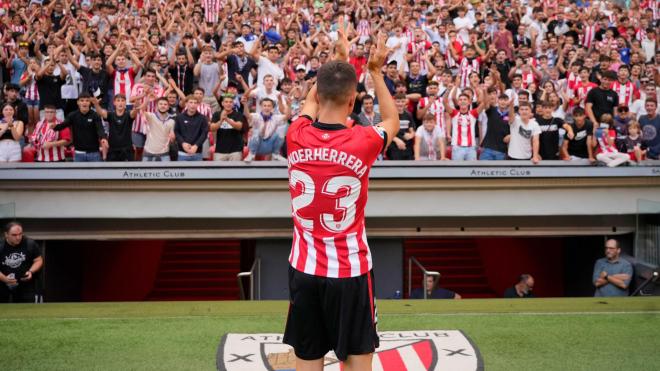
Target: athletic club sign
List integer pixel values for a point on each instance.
(405, 350)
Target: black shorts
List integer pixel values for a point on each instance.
(331, 314)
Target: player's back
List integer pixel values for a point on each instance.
(328, 179)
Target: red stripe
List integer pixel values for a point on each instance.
(362, 255)
(423, 350)
(391, 360)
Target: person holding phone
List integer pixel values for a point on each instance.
(20, 260)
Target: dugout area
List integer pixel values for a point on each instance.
(161, 270)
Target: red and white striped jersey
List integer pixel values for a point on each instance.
(43, 134)
(123, 81)
(466, 67)
(437, 109)
(266, 23)
(458, 47)
(363, 28)
(140, 124)
(572, 80)
(589, 35)
(640, 34)
(463, 128)
(211, 10)
(205, 110)
(528, 78)
(31, 91)
(627, 92)
(419, 50)
(581, 90)
(328, 179)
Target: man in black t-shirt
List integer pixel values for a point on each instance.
(402, 145)
(230, 126)
(20, 259)
(494, 143)
(549, 137)
(602, 99)
(94, 79)
(580, 146)
(87, 130)
(50, 87)
(120, 125)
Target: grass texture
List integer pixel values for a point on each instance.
(537, 334)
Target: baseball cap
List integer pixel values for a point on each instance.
(611, 75)
(301, 67)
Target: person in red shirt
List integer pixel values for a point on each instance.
(358, 60)
(330, 275)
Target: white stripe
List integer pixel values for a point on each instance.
(375, 364)
(331, 252)
(310, 264)
(295, 250)
(411, 358)
(353, 251)
(366, 244)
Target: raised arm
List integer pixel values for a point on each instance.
(388, 111)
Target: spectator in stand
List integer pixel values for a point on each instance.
(580, 147)
(368, 117)
(549, 137)
(20, 260)
(120, 125)
(11, 131)
(612, 274)
(433, 291)
(49, 144)
(525, 131)
(401, 147)
(651, 129)
(462, 129)
(606, 140)
(264, 139)
(602, 99)
(499, 113)
(633, 142)
(550, 43)
(230, 126)
(191, 130)
(50, 86)
(88, 133)
(522, 289)
(12, 96)
(429, 140)
(160, 133)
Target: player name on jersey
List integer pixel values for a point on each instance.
(328, 155)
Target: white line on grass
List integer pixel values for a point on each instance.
(470, 314)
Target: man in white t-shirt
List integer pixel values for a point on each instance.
(525, 131)
(463, 25)
(267, 90)
(398, 43)
(267, 65)
(429, 140)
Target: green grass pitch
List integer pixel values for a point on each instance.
(539, 334)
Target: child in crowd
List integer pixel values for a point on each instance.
(605, 138)
(633, 142)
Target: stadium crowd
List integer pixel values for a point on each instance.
(125, 80)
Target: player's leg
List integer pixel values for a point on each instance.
(360, 362)
(314, 365)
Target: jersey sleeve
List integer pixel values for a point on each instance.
(376, 138)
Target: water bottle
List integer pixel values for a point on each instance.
(11, 276)
(397, 294)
